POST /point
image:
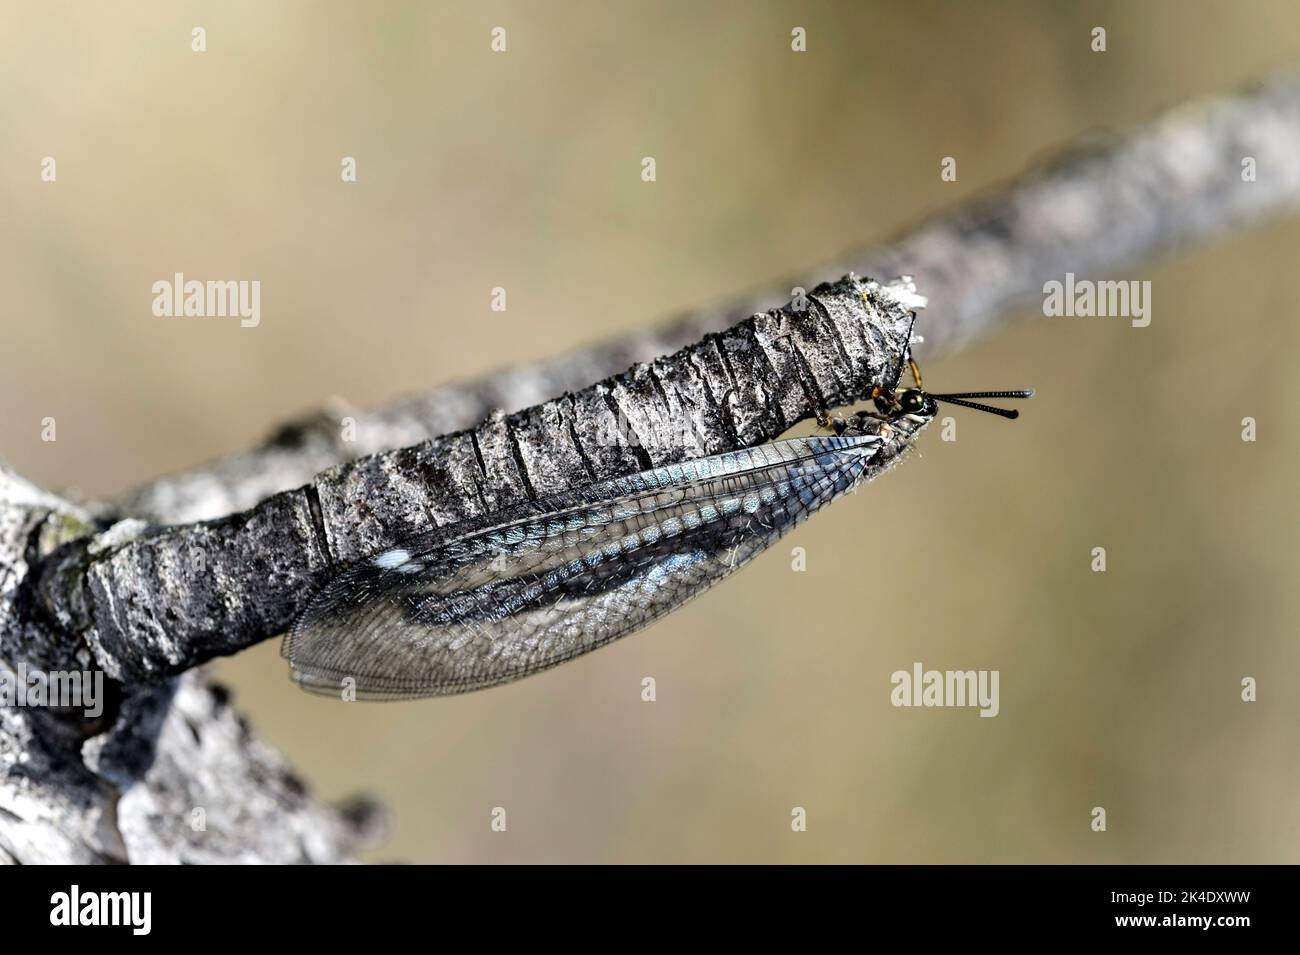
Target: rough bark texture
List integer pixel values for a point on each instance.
(170, 773)
(152, 603)
(167, 774)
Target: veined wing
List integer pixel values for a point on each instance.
(446, 614)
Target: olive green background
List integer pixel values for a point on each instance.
(522, 170)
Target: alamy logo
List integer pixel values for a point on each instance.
(921, 687)
(103, 908)
(673, 433)
(1086, 299)
(214, 299)
(68, 689)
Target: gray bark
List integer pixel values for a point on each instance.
(167, 774)
(152, 603)
(148, 602)
(1102, 207)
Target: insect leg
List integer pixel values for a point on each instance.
(835, 425)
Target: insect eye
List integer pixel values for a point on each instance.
(911, 401)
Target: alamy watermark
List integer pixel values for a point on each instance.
(655, 434)
(133, 910)
(1085, 298)
(180, 298)
(67, 689)
(921, 687)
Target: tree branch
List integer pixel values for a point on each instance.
(147, 601)
(167, 774)
(152, 603)
(1103, 206)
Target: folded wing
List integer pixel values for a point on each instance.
(447, 614)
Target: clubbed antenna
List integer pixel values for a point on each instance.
(959, 398)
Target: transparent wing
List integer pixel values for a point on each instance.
(444, 615)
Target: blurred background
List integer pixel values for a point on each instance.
(1118, 689)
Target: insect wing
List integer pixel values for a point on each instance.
(445, 615)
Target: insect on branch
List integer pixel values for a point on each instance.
(153, 602)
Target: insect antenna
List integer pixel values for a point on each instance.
(959, 398)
